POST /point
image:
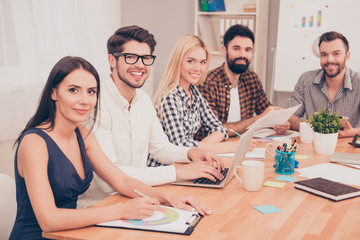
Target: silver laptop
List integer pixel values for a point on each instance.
(238, 158)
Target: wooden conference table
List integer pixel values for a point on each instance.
(303, 216)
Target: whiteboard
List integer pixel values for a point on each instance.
(301, 22)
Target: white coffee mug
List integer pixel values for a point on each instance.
(277, 141)
(252, 174)
(306, 133)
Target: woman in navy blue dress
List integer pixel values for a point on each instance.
(56, 155)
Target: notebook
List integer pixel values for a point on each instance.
(228, 172)
(322, 187)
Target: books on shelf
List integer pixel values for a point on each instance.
(322, 187)
(204, 6)
(212, 5)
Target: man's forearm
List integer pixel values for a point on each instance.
(294, 122)
(240, 126)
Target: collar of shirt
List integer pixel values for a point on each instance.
(320, 79)
(115, 94)
(186, 97)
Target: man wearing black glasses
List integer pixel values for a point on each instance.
(129, 130)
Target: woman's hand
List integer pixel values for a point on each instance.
(197, 170)
(195, 154)
(138, 208)
(190, 204)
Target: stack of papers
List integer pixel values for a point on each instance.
(334, 172)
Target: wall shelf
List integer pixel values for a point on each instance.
(211, 26)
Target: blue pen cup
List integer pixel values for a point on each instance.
(285, 162)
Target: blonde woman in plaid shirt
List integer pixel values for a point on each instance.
(181, 108)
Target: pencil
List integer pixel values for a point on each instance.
(140, 193)
(235, 132)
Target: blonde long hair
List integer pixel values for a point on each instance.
(171, 77)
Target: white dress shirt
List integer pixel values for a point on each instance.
(127, 137)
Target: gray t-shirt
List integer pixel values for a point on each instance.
(311, 91)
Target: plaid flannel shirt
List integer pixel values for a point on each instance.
(216, 90)
(181, 121)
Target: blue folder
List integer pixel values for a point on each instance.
(216, 5)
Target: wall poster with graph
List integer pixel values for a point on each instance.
(301, 22)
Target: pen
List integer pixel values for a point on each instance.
(235, 132)
(293, 147)
(140, 193)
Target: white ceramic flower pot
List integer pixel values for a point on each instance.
(325, 143)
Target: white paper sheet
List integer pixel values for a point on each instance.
(334, 172)
(256, 153)
(275, 117)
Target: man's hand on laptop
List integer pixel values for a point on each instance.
(196, 155)
(196, 170)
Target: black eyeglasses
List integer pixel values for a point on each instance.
(131, 58)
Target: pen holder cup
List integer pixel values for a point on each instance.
(285, 162)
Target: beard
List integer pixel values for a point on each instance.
(237, 68)
(340, 66)
(126, 81)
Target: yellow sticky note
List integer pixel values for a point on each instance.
(274, 184)
(300, 157)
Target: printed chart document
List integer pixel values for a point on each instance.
(165, 219)
(275, 117)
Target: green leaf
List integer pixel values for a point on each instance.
(323, 122)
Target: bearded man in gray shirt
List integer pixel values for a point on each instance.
(334, 86)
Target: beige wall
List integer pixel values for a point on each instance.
(7, 158)
(168, 20)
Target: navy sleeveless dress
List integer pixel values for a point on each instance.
(65, 183)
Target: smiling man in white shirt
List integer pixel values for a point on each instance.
(128, 129)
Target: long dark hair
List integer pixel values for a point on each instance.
(45, 112)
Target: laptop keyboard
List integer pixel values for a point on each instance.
(208, 181)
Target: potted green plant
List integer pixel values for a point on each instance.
(326, 127)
